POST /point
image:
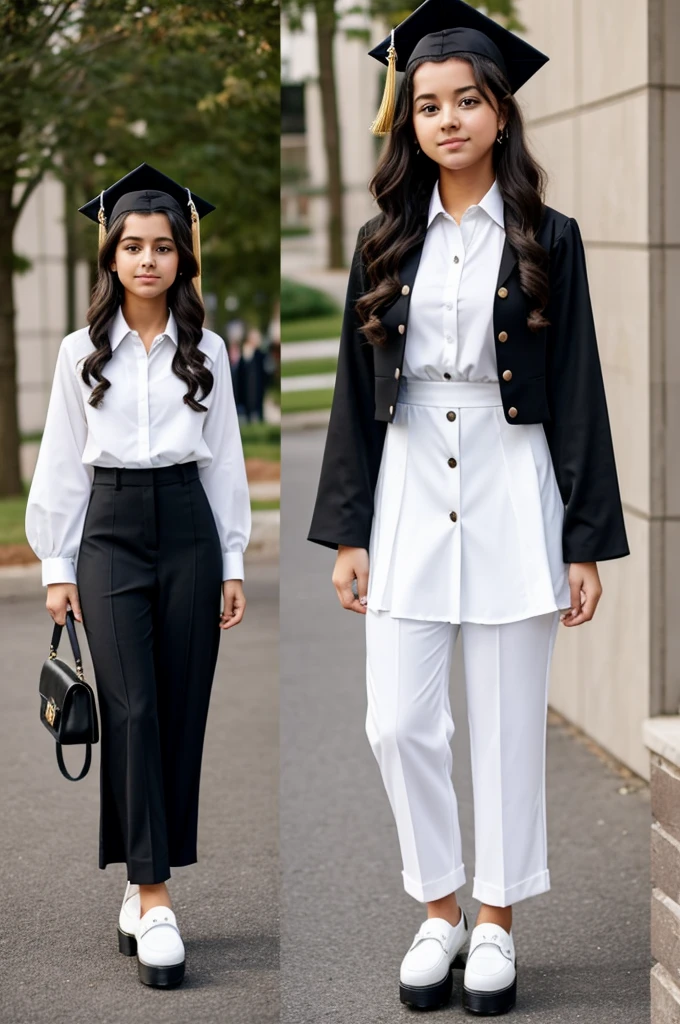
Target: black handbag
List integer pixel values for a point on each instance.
(67, 704)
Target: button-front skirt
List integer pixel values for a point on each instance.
(468, 515)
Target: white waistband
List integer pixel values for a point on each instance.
(447, 393)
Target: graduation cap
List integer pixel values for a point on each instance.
(146, 190)
(443, 28)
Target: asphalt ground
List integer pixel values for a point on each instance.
(59, 960)
(583, 948)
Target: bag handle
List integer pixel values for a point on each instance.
(86, 766)
(75, 646)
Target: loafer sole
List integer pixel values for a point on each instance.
(430, 997)
(161, 977)
(127, 943)
(490, 1004)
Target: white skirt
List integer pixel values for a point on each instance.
(468, 516)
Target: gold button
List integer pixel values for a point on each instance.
(452, 463)
(507, 374)
(397, 373)
(401, 328)
(391, 410)
(405, 290)
(451, 416)
(512, 411)
(503, 292)
(453, 516)
(503, 336)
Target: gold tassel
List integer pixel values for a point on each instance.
(101, 217)
(385, 116)
(196, 243)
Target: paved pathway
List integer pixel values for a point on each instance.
(59, 959)
(583, 947)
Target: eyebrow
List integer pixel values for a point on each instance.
(136, 238)
(433, 96)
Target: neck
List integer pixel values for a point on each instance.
(146, 315)
(463, 188)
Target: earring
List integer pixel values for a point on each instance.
(415, 143)
(502, 135)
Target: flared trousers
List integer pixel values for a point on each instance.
(149, 578)
(410, 728)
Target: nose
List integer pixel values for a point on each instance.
(450, 118)
(148, 258)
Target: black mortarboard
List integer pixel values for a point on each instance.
(444, 28)
(146, 190)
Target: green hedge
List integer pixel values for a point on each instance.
(299, 302)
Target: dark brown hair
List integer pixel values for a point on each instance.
(403, 183)
(183, 300)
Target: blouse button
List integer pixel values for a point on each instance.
(507, 374)
(447, 376)
(449, 305)
(405, 290)
(451, 416)
(512, 411)
(503, 336)
(452, 463)
(456, 260)
(503, 293)
(453, 516)
(401, 328)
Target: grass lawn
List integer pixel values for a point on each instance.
(306, 401)
(303, 367)
(12, 512)
(318, 328)
(261, 441)
(264, 506)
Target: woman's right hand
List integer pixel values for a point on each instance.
(59, 597)
(351, 562)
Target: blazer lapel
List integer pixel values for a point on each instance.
(508, 257)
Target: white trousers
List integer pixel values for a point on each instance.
(410, 727)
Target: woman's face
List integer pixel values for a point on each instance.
(146, 257)
(447, 105)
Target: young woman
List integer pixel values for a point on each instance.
(139, 510)
(469, 466)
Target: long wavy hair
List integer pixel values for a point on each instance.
(403, 183)
(182, 298)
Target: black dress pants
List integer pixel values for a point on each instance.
(149, 577)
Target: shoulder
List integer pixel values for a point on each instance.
(212, 345)
(76, 345)
(557, 228)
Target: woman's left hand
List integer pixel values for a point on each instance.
(586, 591)
(234, 603)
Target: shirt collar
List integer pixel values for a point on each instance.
(492, 203)
(119, 328)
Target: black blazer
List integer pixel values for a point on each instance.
(554, 378)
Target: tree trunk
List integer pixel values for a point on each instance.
(325, 35)
(10, 475)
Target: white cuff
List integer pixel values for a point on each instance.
(58, 570)
(232, 565)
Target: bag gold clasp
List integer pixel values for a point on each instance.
(50, 712)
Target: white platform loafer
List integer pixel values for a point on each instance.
(128, 919)
(426, 978)
(490, 981)
(160, 950)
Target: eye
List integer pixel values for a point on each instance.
(472, 100)
(164, 248)
(130, 248)
(428, 108)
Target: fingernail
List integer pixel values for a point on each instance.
(363, 600)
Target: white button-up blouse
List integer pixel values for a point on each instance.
(142, 423)
(450, 323)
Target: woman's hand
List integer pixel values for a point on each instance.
(234, 603)
(351, 562)
(61, 596)
(586, 591)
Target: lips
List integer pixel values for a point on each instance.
(453, 142)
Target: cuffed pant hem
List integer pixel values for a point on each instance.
(425, 892)
(494, 896)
